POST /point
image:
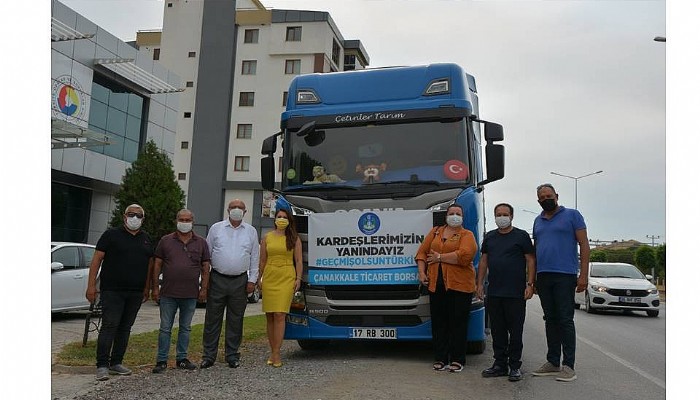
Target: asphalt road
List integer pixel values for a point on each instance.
(618, 356)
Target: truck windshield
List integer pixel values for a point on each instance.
(378, 156)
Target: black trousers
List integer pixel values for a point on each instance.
(119, 310)
(225, 294)
(449, 314)
(507, 315)
(556, 292)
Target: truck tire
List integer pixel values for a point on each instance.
(311, 344)
(476, 347)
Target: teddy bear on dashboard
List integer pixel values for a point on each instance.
(371, 172)
(320, 176)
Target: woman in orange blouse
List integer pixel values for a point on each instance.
(448, 251)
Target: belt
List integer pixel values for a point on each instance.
(228, 276)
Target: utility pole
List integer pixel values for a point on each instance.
(652, 237)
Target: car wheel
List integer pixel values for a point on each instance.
(476, 347)
(653, 313)
(588, 305)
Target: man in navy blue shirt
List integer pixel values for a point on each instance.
(557, 232)
(507, 255)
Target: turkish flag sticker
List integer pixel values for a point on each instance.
(455, 170)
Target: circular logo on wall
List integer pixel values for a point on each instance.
(68, 97)
(369, 223)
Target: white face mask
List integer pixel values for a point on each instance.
(454, 220)
(133, 223)
(184, 227)
(502, 222)
(236, 214)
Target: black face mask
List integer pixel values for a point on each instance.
(548, 204)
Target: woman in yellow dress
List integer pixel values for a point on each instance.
(280, 276)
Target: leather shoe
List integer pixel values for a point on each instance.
(515, 375)
(494, 371)
(206, 364)
(234, 364)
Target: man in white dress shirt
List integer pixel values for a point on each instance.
(235, 251)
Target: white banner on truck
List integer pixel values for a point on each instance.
(367, 240)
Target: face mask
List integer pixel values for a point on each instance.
(502, 222)
(184, 227)
(454, 220)
(281, 223)
(236, 214)
(548, 204)
(133, 223)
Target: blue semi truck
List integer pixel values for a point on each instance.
(370, 161)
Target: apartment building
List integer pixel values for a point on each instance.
(107, 100)
(236, 60)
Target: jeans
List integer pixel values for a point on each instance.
(556, 292)
(507, 317)
(119, 311)
(168, 308)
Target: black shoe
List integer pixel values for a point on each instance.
(206, 364)
(494, 371)
(234, 364)
(160, 367)
(515, 375)
(185, 364)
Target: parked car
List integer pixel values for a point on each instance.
(70, 264)
(618, 286)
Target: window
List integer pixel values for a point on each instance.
(188, 115)
(249, 67)
(251, 36)
(292, 67)
(68, 256)
(244, 131)
(181, 176)
(241, 163)
(335, 54)
(349, 63)
(246, 99)
(156, 54)
(170, 5)
(279, 163)
(284, 98)
(191, 54)
(185, 145)
(294, 33)
(189, 84)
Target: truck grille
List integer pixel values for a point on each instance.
(373, 320)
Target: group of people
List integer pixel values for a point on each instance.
(510, 271)
(220, 270)
(224, 268)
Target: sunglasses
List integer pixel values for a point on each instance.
(133, 214)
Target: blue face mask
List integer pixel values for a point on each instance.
(236, 214)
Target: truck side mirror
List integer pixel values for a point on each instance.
(267, 172)
(495, 162)
(493, 132)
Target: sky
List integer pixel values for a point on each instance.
(579, 87)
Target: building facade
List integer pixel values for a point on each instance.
(108, 99)
(236, 60)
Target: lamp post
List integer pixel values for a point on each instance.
(576, 178)
(531, 212)
(660, 39)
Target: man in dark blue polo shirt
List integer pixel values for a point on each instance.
(507, 256)
(557, 232)
(124, 257)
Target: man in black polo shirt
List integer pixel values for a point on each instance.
(126, 258)
(505, 254)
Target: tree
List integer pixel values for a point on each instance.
(645, 259)
(661, 260)
(150, 182)
(598, 256)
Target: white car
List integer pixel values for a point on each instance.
(618, 286)
(70, 263)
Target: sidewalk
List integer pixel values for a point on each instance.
(69, 382)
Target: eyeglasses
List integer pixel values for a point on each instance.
(133, 214)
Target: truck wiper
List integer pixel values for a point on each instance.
(410, 182)
(321, 186)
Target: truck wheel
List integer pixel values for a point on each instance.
(476, 347)
(309, 344)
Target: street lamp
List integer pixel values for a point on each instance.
(531, 212)
(576, 178)
(660, 39)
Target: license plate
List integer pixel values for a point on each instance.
(630, 299)
(372, 333)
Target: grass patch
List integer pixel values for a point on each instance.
(143, 347)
